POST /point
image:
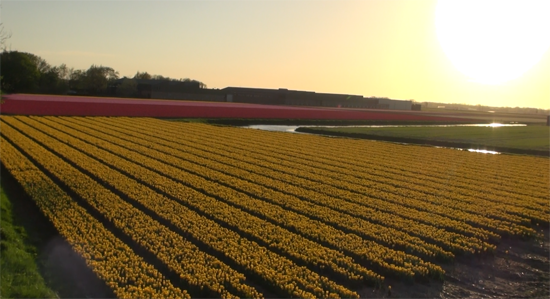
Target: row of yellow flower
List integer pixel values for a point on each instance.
(277, 237)
(325, 187)
(448, 240)
(388, 199)
(325, 150)
(369, 251)
(445, 186)
(529, 209)
(125, 272)
(335, 180)
(376, 159)
(337, 199)
(270, 267)
(495, 169)
(325, 181)
(396, 160)
(480, 170)
(194, 266)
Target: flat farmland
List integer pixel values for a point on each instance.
(179, 210)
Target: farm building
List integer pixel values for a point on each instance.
(394, 104)
(284, 96)
(309, 98)
(178, 90)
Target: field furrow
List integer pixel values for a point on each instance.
(172, 249)
(291, 280)
(169, 209)
(332, 178)
(126, 273)
(376, 232)
(360, 154)
(442, 188)
(310, 185)
(451, 241)
(276, 238)
(294, 221)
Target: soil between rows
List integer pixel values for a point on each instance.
(518, 269)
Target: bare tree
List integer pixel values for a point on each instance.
(4, 36)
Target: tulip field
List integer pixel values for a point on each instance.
(162, 209)
(103, 106)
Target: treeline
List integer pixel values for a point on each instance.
(27, 73)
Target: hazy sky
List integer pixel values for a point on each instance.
(384, 48)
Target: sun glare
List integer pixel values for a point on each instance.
(491, 41)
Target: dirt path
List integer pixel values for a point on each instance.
(519, 269)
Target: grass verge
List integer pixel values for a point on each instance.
(36, 262)
(19, 272)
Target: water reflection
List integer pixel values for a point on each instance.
(292, 129)
(493, 125)
(496, 125)
(483, 151)
(276, 128)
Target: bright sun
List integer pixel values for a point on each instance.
(493, 41)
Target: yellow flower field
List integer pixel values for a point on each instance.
(233, 212)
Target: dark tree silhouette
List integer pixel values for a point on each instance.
(19, 72)
(97, 79)
(143, 75)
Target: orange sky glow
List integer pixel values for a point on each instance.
(371, 48)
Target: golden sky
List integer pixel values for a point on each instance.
(365, 47)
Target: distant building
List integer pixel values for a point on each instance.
(191, 90)
(284, 96)
(395, 104)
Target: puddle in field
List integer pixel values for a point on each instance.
(292, 129)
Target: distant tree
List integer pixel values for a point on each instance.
(97, 79)
(199, 84)
(65, 72)
(159, 77)
(20, 72)
(128, 88)
(143, 75)
(42, 65)
(55, 80)
(49, 81)
(25, 72)
(77, 80)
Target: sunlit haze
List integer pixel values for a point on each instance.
(493, 41)
(372, 48)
